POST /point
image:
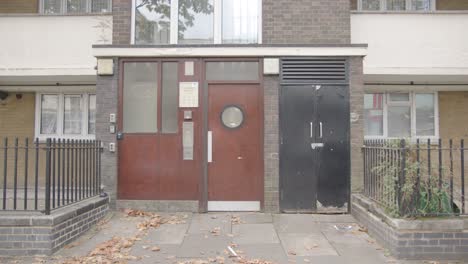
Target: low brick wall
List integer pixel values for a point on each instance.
(441, 239)
(32, 233)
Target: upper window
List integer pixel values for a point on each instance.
(66, 115)
(400, 115)
(196, 21)
(60, 7)
(396, 5)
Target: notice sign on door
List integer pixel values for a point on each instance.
(188, 94)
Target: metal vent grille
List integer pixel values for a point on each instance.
(313, 71)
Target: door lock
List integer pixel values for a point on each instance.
(316, 145)
(120, 135)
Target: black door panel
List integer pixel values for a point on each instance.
(314, 179)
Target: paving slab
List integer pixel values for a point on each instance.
(334, 218)
(255, 234)
(166, 254)
(270, 252)
(295, 223)
(168, 234)
(253, 218)
(307, 245)
(203, 246)
(205, 223)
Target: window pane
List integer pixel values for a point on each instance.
(371, 5)
(169, 97)
(424, 5)
(425, 118)
(92, 114)
(232, 71)
(72, 118)
(140, 97)
(152, 21)
(399, 121)
(396, 5)
(195, 21)
(49, 112)
(52, 6)
(373, 114)
(399, 97)
(100, 6)
(76, 6)
(240, 21)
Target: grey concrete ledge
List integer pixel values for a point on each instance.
(442, 224)
(159, 205)
(36, 219)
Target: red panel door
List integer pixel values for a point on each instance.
(235, 172)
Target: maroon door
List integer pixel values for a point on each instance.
(235, 164)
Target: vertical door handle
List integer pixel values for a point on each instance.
(321, 129)
(311, 129)
(210, 146)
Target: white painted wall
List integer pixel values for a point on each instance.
(413, 44)
(51, 45)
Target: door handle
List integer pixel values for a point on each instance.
(321, 129)
(210, 147)
(311, 129)
(316, 145)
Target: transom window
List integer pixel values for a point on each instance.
(401, 115)
(66, 115)
(196, 21)
(60, 7)
(396, 5)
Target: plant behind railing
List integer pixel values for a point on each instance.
(406, 185)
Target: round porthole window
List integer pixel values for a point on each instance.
(232, 117)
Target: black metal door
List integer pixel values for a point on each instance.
(314, 149)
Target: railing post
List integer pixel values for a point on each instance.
(47, 190)
(401, 176)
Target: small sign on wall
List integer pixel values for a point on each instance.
(188, 94)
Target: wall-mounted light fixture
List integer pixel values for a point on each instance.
(3, 95)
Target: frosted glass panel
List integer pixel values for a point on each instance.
(92, 114)
(49, 112)
(373, 114)
(72, 114)
(140, 97)
(76, 6)
(169, 98)
(425, 117)
(232, 71)
(399, 121)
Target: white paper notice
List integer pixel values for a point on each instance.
(188, 94)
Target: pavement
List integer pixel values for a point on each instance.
(255, 238)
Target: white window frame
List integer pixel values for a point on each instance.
(412, 103)
(60, 116)
(63, 10)
(409, 7)
(217, 23)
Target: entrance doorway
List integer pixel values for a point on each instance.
(314, 148)
(235, 174)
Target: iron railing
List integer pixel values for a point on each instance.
(49, 175)
(416, 178)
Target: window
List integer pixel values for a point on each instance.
(396, 5)
(400, 115)
(196, 21)
(65, 115)
(60, 7)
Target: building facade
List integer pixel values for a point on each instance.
(212, 105)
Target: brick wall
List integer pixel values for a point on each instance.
(122, 14)
(306, 22)
(453, 110)
(436, 239)
(452, 5)
(107, 99)
(19, 6)
(357, 112)
(271, 143)
(31, 234)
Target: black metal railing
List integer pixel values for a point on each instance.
(416, 178)
(49, 175)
